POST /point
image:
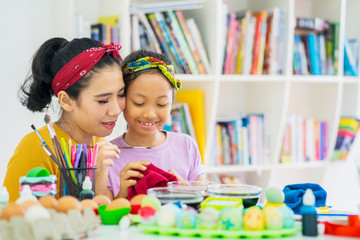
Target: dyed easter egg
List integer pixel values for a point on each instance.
(288, 216)
(151, 201)
(166, 217)
(186, 218)
(147, 215)
(253, 219)
(273, 218)
(207, 218)
(274, 195)
(231, 218)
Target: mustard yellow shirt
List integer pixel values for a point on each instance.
(29, 154)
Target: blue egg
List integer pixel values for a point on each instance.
(231, 218)
(288, 216)
(186, 218)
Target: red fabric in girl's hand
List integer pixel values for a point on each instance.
(153, 177)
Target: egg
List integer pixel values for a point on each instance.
(89, 203)
(118, 203)
(67, 203)
(102, 199)
(48, 201)
(36, 212)
(137, 199)
(151, 201)
(135, 203)
(253, 219)
(11, 210)
(28, 203)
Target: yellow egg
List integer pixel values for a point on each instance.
(102, 199)
(253, 219)
(67, 203)
(11, 210)
(118, 203)
(48, 201)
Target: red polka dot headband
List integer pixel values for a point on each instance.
(81, 64)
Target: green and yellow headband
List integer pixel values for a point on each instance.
(149, 63)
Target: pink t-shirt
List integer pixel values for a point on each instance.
(179, 152)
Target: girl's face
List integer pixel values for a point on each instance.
(148, 104)
(99, 104)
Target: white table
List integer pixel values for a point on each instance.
(135, 233)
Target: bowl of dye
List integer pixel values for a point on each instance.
(249, 194)
(192, 186)
(173, 194)
(113, 216)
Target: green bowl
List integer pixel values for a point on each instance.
(112, 217)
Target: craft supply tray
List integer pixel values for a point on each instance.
(286, 232)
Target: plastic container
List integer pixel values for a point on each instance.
(173, 194)
(197, 186)
(113, 216)
(250, 194)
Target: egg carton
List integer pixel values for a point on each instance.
(286, 232)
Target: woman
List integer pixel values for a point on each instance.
(85, 76)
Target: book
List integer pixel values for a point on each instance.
(230, 43)
(259, 42)
(165, 48)
(180, 120)
(195, 34)
(190, 42)
(181, 43)
(244, 19)
(174, 51)
(154, 44)
(350, 62)
(194, 99)
(348, 128)
(112, 23)
(314, 53)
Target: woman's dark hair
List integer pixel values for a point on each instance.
(36, 92)
(132, 57)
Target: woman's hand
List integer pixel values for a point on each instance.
(106, 151)
(128, 172)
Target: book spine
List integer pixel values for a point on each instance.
(190, 42)
(178, 32)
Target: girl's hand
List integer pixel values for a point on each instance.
(176, 175)
(106, 151)
(129, 171)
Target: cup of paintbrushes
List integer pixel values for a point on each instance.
(70, 187)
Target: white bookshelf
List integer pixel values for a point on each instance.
(322, 97)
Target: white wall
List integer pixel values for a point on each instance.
(25, 25)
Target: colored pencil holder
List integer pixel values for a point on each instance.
(71, 180)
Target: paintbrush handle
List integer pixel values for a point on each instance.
(125, 147)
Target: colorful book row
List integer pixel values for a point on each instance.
(170, 33)
(254, 41)
(304, 139)
(240, 141)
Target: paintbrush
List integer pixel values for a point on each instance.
(131, 147)
(51, 155)
(127, 147)
(55, 140)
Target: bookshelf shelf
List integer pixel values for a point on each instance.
(276, 96)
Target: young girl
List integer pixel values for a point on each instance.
(150, 85)
(86, 77)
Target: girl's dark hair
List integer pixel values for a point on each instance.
(132, 57)
(36, 92)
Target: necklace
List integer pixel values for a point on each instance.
(64, 129)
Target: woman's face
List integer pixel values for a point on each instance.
(148, 104)
(100, 104)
